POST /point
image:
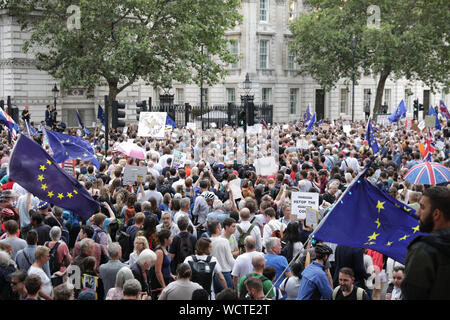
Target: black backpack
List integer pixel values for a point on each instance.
(124, 239)
(53, 262)
(287, 250)
(243, 292)
(185, 248)
(202, 272)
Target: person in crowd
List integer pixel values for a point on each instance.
(141, 268)
(182, 288)
(274, 259)
(116, 292)
(41, 257)
(108, 271)
(394, 290)
(18, 284)
(346, 289)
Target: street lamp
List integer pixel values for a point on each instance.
(353, 76)
(247, 98)
(55, 94)
(201, 90)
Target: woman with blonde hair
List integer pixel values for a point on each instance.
(140, 243)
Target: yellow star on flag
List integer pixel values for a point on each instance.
(41, 177)
(380, 205)
(389, 243)
(85, 155)
(406, 209)
(42, 168)
(416, 229)
(69, 195)
(374, 236)
(75, 191)
(67, 140)
(49, 162)
(378, 222)
(403, 238)
(60, 196)
(44, 186)
(50, 194)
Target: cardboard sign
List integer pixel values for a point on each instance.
(191, 125)
(421, 125)
(152, 124)
(302, 200)
(266, 166)
(312, 217)
(430, 121)
(178, 159)
(131, 174)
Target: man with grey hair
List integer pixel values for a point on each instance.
(108, 271)
(218, 213)
(185, 205)
(63, 257)
(141, 268)
(132, 290)
(167, 223)
(274, 259)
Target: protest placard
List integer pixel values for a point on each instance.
(266, 166)
(178, 159)
(430, 121)
(131, 174)
(191, 125)
(302, 200)
(312, 217)
(152, 124)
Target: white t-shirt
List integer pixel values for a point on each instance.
(270, 227)
(243, 264)
(222, 251)
(46, 282)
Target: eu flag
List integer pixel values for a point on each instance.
(432, 112)
(31, 131)
(370, 137)
(66, 147)
(170, 122)
(400, 112)
(307, 116)
(311, 123)
(101, 114)
(85, 130)
(38, 173)
(366, 217)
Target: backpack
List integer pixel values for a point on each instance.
(202, 272)
(276, 233)
(124, 239)
(359, 293)
(96, 233)
(242, 237)
(287, 250)
(184, 249)
(53, 262)
(243, 292)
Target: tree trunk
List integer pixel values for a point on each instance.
(380, 90)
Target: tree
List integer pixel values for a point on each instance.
(409, 40)
(121, 41)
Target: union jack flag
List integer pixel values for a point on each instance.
(429, 145)
(444, 110)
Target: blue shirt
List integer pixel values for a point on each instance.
(279, 263)
(314, 278)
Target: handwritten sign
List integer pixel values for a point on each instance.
(266, 166)
(312, 217)
(302, 200)
(152, 124)
(179, 159)
(131, 174)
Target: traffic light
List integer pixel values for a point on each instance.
(118, 114)
(416, 109)
(421, 107)
(2, 104)
(242, 119)
(251, 113)
(14, 113)
(141, 107)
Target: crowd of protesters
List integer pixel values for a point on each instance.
(184, 233)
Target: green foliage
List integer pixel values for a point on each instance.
(121, 41)
(412, 41)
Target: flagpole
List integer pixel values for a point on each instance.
(321, 223)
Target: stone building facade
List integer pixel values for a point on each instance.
(261, 43)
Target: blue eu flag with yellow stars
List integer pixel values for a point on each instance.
(38, 173)
(366, 217)
(370, 137)
(66, 147)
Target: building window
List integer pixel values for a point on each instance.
(179, 95)
(293, 96)
(234, 51)
(387, 98)
(343, 100)
(263, 6)
(290, 59)
(407, 99)
(205, 97)
(263, 54)
(292, 10)
(266, 95)
(231, 95)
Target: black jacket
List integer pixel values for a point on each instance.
(427, 268)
